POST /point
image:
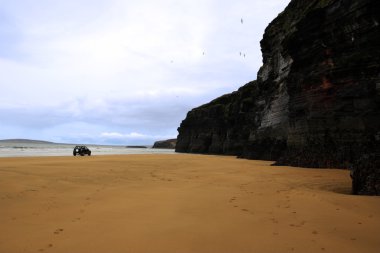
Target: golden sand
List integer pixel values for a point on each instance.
(180, 203)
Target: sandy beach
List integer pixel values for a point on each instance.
(180, 203)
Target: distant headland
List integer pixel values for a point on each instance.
(26, 141)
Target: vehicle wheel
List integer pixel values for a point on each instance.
(75, 154)
(89, 154)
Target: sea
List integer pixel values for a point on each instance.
(25, 148)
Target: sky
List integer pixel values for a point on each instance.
(120, 71)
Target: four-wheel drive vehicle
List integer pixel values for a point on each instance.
(81, 150)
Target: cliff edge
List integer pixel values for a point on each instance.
(316, 100)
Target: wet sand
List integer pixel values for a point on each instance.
(180, 203)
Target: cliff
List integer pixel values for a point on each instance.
(316, 100)
(168, 144)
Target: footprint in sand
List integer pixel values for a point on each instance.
(50, 245)
(232, 199)
(245, 210)
(58, 231)
(88, 202)
(274, 220)
(314, 232)
(76, 219)
(298, 225)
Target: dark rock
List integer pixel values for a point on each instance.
(167, 144)
(365, 174)
(316, 101)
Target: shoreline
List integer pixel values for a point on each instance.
(66, 150)
(182, 203)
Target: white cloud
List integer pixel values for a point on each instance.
(119, 135)
(120, 66)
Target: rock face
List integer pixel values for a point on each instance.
(316, 100)
(168, 144)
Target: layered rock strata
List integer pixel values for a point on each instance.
(316, 101)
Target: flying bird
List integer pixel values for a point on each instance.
(241, 20)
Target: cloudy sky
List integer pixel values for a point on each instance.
(122, 71)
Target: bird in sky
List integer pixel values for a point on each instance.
(241, 20)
